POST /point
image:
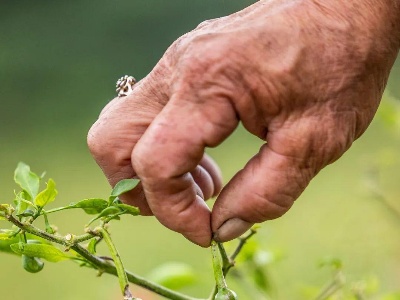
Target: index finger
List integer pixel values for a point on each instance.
(170, 149)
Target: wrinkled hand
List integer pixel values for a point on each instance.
(305, 76)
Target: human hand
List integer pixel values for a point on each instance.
(305, 76)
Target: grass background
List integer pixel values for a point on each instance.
(58, 64)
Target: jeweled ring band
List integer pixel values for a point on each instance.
(125, 85)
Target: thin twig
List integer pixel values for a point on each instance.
(242, 242)
(123, 279)
(229, 262)
(100, 264)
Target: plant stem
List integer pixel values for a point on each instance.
(226, 262)
(242, 241)
(217, 266)
(229, 262)
(100, 264)
(50, 211)
(123, 279)
(48, 236)
(107, 267)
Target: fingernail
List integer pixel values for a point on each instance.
(231, 229)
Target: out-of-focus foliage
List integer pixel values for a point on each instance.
(59, 61)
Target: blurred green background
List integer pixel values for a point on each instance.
(59, 61)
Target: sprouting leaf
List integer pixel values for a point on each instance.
(92, 246)
(91, 206)
(112, 210)
(122, 187)
(116, 201)
(27, 180)
(26, 213)
(47, 195)
(45, 251)
(49, 228)
(132, 210)
(109, 211)
(21, 201)
(173, 275)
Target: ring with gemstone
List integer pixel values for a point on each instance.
(125, 85)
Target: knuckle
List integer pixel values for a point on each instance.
(103, 146)
(177, 47)
(206, 23)
(93, 141)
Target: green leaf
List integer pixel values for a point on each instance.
(5, 244)
(5, 234)
(26, 213)
(173, 275)
(21, 202)
(47, 195)
(49, 229)
(91, 206)
(92, 246)
(109, 211)
(47, 252)
(112, 210)
(132, 210)
(27, 180)
(122, 187)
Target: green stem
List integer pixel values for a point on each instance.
(50, 211)
(123, 279)
(242, 242)
(109, 268)
(229, 262)
(226, 261)
(100, 264)
(48, 236)
(217, 266)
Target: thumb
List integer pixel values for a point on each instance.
(273, 179)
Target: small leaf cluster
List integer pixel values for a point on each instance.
(35, 244)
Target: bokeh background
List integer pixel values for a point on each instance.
(59, 61)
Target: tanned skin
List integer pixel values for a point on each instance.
(305, 76)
